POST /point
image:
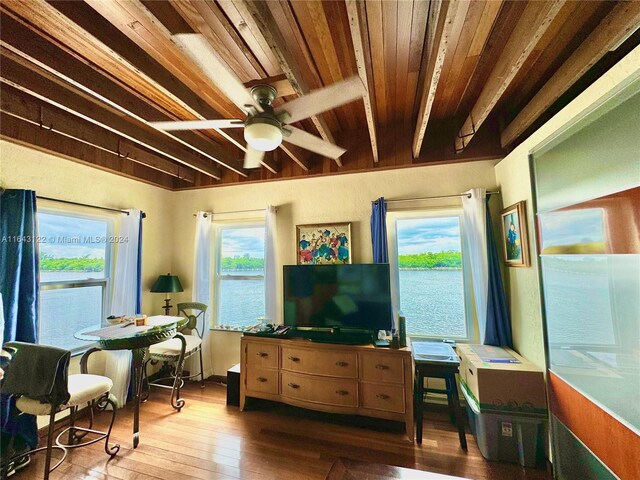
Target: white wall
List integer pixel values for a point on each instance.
(341, 198)
(55, 177)
(514, 181)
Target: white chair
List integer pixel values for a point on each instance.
(173, 352)
(83, 389)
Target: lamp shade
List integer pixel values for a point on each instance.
(166, 284)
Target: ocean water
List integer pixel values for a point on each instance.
(433, 302)
(65, 311)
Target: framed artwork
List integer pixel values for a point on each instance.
(323, 243)
(515, 240)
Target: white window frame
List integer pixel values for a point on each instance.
(218, 276)
(392, 238)
(105, 282)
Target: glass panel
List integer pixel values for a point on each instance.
(588, 203)
(64, 311)
(242, 251)
(430, 274)
(72, 248)
(241, 301)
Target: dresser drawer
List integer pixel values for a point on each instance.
(381, 368)
(319, 362)
(341, 392)
(262, 380)
(389, 398)
(262, 355)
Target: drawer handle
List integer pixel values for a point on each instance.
(382, 367)
(294, 385)
(261, 379)
(383, 396)
(342, 392)
(342, 364)
(262, 354)
(293, 359)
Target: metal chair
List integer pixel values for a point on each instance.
(175, 351)
(83, 388)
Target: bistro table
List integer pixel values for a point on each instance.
(137, 339)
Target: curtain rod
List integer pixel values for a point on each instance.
(468, 195)
(143, 215)
(206, 214)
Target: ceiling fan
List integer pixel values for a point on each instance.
(265, 126)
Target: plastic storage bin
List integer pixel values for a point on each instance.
(507, 437)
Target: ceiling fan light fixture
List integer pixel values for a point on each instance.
(263, 136)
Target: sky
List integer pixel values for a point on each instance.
(238, 241)
(71, 237)
(421, 235)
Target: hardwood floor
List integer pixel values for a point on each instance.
(208, 440)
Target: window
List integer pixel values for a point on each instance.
(74, 275)
(430, 276)
(239, 286)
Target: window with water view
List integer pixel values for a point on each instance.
(240, 275)
(74, 275)
(431, 283)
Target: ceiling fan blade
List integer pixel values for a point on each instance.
(252, 157)
(198, 49)
(197, 124)
(318, 101)
(311, 142)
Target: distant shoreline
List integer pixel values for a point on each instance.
(426, 268)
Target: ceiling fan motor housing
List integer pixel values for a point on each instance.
(263, 130)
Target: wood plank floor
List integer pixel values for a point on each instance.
(208, 440)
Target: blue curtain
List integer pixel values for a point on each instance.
(19, 287)
(379, 231)
(498, 329)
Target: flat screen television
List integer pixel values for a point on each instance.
(343, 296)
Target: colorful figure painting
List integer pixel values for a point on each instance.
(323, 244)
(514, 235)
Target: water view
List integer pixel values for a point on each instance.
(433, 302)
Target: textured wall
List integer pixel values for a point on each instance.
(313, 200)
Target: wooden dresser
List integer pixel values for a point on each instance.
(349, 379)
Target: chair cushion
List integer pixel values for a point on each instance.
(82, 387)
(171, 348)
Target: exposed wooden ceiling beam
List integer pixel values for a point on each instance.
(280, 82)
(19, 40)
(134, 20)
(259, 14)
(531, 27)
(28, 109)
(298, 155)
(622, 20)
(16, 130)
(442, 20)
(360, 38)
(145, 79)
(208, 19)
(47, 90)
(218, 23)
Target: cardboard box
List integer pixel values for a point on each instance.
(501, 381)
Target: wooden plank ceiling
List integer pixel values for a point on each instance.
(444, 80)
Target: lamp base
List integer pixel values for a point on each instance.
(167, 306)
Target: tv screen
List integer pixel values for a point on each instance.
(345, 296)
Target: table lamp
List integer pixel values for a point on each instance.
(167, 284)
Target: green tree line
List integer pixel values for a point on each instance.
(79, 264)
(431, 260)
(242, 263)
